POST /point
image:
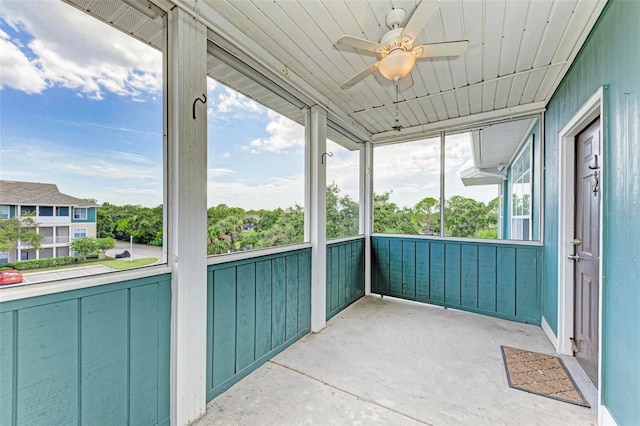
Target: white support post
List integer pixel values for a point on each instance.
(187, 213)
(317, 141)
(366, 209)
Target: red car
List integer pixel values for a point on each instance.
(10, 276)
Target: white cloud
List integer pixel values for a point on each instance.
(103, 175)
(16, 70)
(230, 100)
(272, 193)
(73, 50)
(283, 135)
(214, 173)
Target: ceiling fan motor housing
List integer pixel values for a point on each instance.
(395, 18)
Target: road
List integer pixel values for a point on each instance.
(139, 251)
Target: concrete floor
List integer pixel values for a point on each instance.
(391, 362)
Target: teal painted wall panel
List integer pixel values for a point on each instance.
(422, 270)
(381, 265)
(256, 308)
(104, 358)
(98, 355)
(506, 274)
(291, 321)
(246, 315)
(345, 274)
(452, 274)
(437, 268)
(469, 276)
(501, 280)
(487, 278)
(610, 57)
(409, 269)
(263, 308)
(143, 344)
(7, 354)
(47, 367)
(304, 293)
(278, 295)
(224, 325)
(395, 267)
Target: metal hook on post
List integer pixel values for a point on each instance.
(194, 104)
(330, 154)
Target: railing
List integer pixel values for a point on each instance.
(256, 308)
(53, 220)
(496, 279)
(62, 239)
(98, 355)
(47, 240)
(345, 274)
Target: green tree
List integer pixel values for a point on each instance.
(287, 229)
(105, 244)
(342, 214)
(426, 216)
(224, 235)
(464, 217)
(388, 218)
(16, 229)
(85, 246)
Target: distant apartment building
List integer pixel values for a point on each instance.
(61, 218)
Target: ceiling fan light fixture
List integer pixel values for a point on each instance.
(397, 64)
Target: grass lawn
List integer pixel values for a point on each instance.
(126, 264)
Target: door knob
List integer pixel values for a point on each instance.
(576, 241)
(575, 257)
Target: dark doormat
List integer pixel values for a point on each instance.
(541, 374)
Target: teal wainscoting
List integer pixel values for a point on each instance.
(345, 274)
(98, 355)
(500, 280)
(256, 308)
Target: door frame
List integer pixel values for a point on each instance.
(593, 108)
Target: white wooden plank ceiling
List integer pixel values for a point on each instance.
(519, 50)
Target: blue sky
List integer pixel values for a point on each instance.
(81, 107)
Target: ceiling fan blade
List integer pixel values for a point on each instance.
(359, 43)
(362, 74)
(435, 50)
(425, 10)
(405, 83)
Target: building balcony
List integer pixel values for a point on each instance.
(53, 220)
(47, 240)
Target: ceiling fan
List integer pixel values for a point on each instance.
(395, 49)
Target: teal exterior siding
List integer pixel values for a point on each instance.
(500, 280)
(93, 356)
(345, 274)
(91, 216)
(536, 172)
(610, 57)
(256, 308)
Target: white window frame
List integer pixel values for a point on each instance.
(77, 210)
(75, 230)
(517, 232)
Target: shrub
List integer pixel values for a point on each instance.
(25, 265)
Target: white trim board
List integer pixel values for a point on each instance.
(604, 417)
(592, 109)
(549, 332)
